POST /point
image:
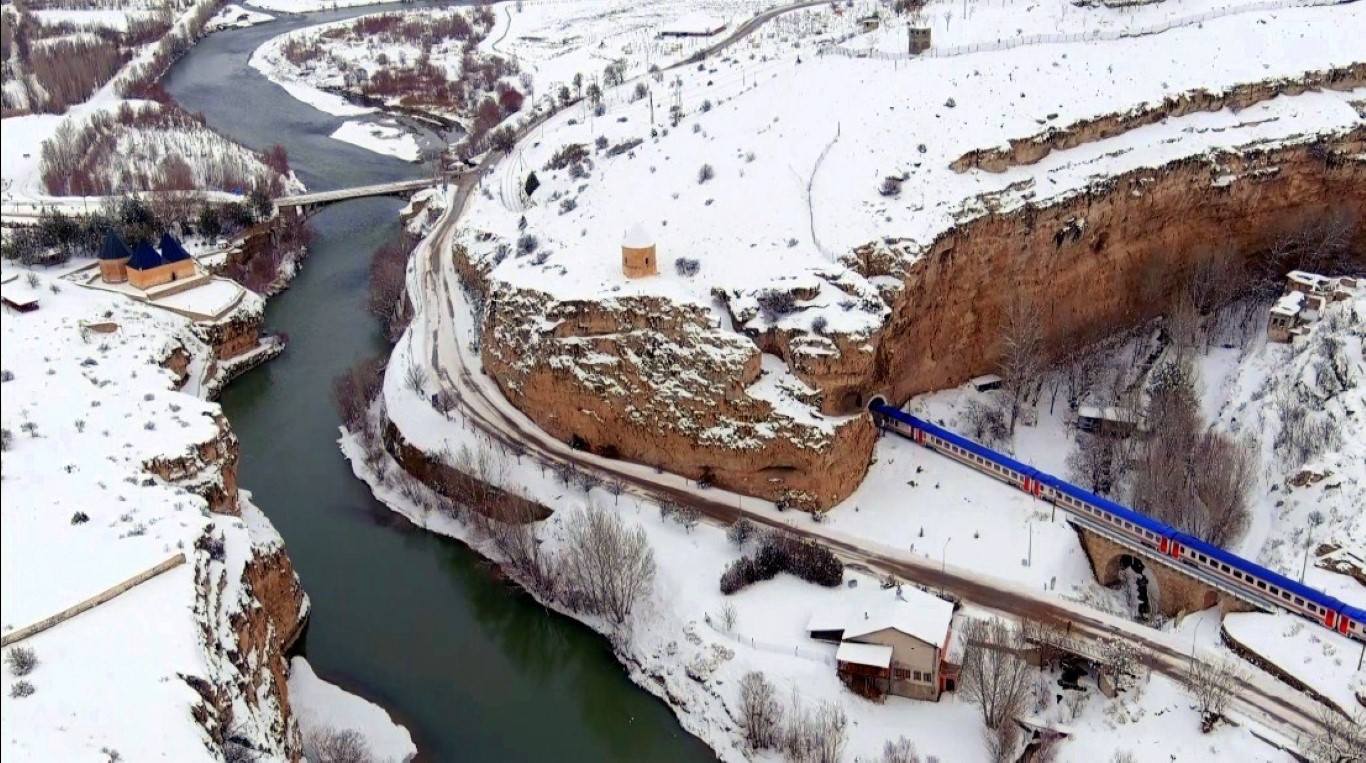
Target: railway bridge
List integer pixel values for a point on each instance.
(1172, 590)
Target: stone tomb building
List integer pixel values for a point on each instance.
(144, 267)
(638, 258)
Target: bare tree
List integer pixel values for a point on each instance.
(1212, 685)
(994, 675)
(1080, 372)
(615, 488)
(1183, 322)
(1020, 362)
(689, 517)
(611, 566)
(513, 533)
(416, 376)
(985, 421)
(1124, 660)
(900, 751)
(1003, 742)
(1340, 739)
(760, 712)
(1092, 462)
(814, 736)
(1194, 478)
(328, 745)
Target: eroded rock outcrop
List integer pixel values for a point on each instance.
(1107, 256)
(659, 382)
(662, 383)
(1034, 148)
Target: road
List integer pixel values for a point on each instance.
(441, 319)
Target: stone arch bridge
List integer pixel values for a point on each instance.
(1176, 589)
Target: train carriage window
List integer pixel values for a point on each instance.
(1261, 584)
(1299, 601)
(1223, 567)
(1285, 595)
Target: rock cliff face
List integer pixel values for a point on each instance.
(655, 381)
(244, 696)
(1034, 148)
(663, 383)
(1104, 257)
(247, 624)
(209, 470)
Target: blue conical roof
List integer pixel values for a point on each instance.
(171, 250)
(114, 248)
(144, 257)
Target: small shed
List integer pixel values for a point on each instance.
(917, 40)
(986, 383)
(1110, 420)
(638, 255)
(869, 23)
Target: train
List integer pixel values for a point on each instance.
(1205, 561)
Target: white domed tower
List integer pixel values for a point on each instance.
(638, 253)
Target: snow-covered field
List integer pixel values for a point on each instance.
(83, 414)
(954, 26)
(818, 169)
(1316, 656)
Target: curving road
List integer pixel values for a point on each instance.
(442, 318)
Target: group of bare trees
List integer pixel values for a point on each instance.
(803, 734)
(1188, 476)
(329, 745)
(1321, 242)
(388, 284)
(1212, 686)
(1023, 356)
(996, 677)
(92, 159)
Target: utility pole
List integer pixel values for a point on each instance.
(1304, 568)
(652, 108)
(943, 565)
(1030, 563)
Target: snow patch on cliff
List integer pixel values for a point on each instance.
(322, 707)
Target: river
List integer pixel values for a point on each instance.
(474, 668)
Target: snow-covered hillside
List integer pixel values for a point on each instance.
(818, 170)
(107, 141)
(680, 647)
(89, 412)
(1306, 509)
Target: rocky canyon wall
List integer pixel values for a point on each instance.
(661, 383)
(1108, 257)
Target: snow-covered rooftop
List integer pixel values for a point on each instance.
(637, 238)
(1289, 304)
(918, 614)
(873, 655)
